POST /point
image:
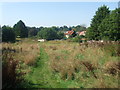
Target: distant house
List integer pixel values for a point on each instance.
(69, 33)
(82, 33)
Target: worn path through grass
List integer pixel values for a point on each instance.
(59, 65)
(41, 75)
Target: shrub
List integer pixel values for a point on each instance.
(11, 72)
(76, 39)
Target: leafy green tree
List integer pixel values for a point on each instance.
(60, 35)
(65, 28)
(70, 28)
(60, 28)
(48, 34)
(8, 34)
(78, 38)
(20, 29)
(32, 32)
(40, 28)
(79, 28)
(93, 32)
(90, 34)
(55, 28)
(110, 26)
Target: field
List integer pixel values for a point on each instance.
(61, 64)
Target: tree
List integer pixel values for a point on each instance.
(65, 28)
(101, 13)
(90, 34)
(48, 34)
(79, 28)
(32, 31)
(70, 28)
(8, 34)
(55, 28)
(20, 29)
(110, 26)
(60, 35)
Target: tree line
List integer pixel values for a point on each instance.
(105, 25)
(20, 30)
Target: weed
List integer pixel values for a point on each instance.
(11, 76)
(66, 64)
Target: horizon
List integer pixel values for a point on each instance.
(48, 14)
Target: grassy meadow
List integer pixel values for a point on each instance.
(60, 64)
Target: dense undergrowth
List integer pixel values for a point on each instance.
(62, 64)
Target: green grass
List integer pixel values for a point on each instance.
(43, 75)
(39, 71)
(60, 65)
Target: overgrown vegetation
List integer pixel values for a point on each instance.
(20, 30)
(16, 58)
(105, 25)
(83, 66)
(63, 64)
(11, 70)
(8, 34)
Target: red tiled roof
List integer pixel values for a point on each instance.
(69, 32)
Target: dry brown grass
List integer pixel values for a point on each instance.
(10, 76)
(112, 67)
(26, 52)
(68, 59)
(87, 64)
(14, 56)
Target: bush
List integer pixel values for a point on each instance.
(11, 72)
(48, 34)
(78, 39)
(8, 34)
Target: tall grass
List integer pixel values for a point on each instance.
(64, 64)
(16, 59)
(11, 71)
(82, 64)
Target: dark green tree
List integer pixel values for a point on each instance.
(60, 35)
(110, 26)
(65, 28)
(79, 28)
(74, 33)
(32, 31)
(93, 32)
(20, 29)
(48, 34)
(8, 34)
(70, 28)
(55, 28)
(61, 28)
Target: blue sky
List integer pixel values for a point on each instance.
(50, 13)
